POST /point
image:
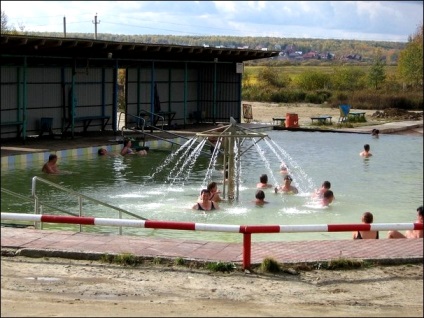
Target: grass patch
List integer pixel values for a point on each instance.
(270, 265)
(221, 267)
(126, 259)
(157, 261)
(342, 263)
(179, 261)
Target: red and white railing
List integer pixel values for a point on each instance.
(246, 230)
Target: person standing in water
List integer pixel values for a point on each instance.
(366, 153)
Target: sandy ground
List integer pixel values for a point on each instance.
(62, 288)
(264, 112)
(75, 288)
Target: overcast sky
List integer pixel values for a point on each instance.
(357, 20)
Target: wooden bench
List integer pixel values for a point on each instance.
(278, 121)
(18, 123)
(322, 119)
(86, 121)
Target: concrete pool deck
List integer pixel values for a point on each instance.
(49, 243)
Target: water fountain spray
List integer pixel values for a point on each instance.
(230, 138)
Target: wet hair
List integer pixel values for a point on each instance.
(101, 151)
(263, 178)
(287, 177)
(52, 157)
(366, 147)
(328, 194)
(326, 184)
(211, 185)
(204, 191)
(420, 210)
(260, 195)
(367, 217)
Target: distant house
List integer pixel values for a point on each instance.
(310, 55)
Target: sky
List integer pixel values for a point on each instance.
(391, 21)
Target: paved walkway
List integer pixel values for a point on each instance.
(50, 243)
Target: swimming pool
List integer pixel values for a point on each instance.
(389, 184)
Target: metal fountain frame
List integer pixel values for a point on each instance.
(229, 136)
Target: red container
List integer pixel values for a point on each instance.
(292, 120)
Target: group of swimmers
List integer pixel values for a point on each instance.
(127, 149)
(51, 167)
(368, 218)
(209, 197)
(323, 194)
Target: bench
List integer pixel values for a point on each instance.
(18, 123)
(357, 116)
(278, 121)
(322, 119)
(86, 121)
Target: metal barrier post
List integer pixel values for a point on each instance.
(247, 245)
(80, 210)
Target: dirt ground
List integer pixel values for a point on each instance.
(64, 288)
(264, 112)
(74, 288)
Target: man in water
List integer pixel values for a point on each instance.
(409, 233)
(263, 182)
(366, 153)
(51, 165)
(287, 187)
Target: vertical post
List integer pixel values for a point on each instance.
(80, 211)
(224, 188)
(64, 26)
(231, 167)
(72, 114)
(152, 94)
(214, 90)
(24, 100)
(138, 92)
(103, 90)
(95, 25)
(115, 96)
(247, 245)
(185, 91)
(238, 168)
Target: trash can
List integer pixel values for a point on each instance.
(292, 120)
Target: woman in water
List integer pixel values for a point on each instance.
(205, 204)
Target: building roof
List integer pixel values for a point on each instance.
(100, 52)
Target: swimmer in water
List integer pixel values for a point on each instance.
(287, 187)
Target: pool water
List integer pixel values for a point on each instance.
(389, 184)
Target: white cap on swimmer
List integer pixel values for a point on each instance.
(283, 166)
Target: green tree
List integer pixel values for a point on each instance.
(348, 78)
(270, 76)
(313, 80)
(410, 65)
(377, 73)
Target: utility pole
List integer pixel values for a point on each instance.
(95, 26)
(64, 26)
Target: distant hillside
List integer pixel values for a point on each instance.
(326, 49)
